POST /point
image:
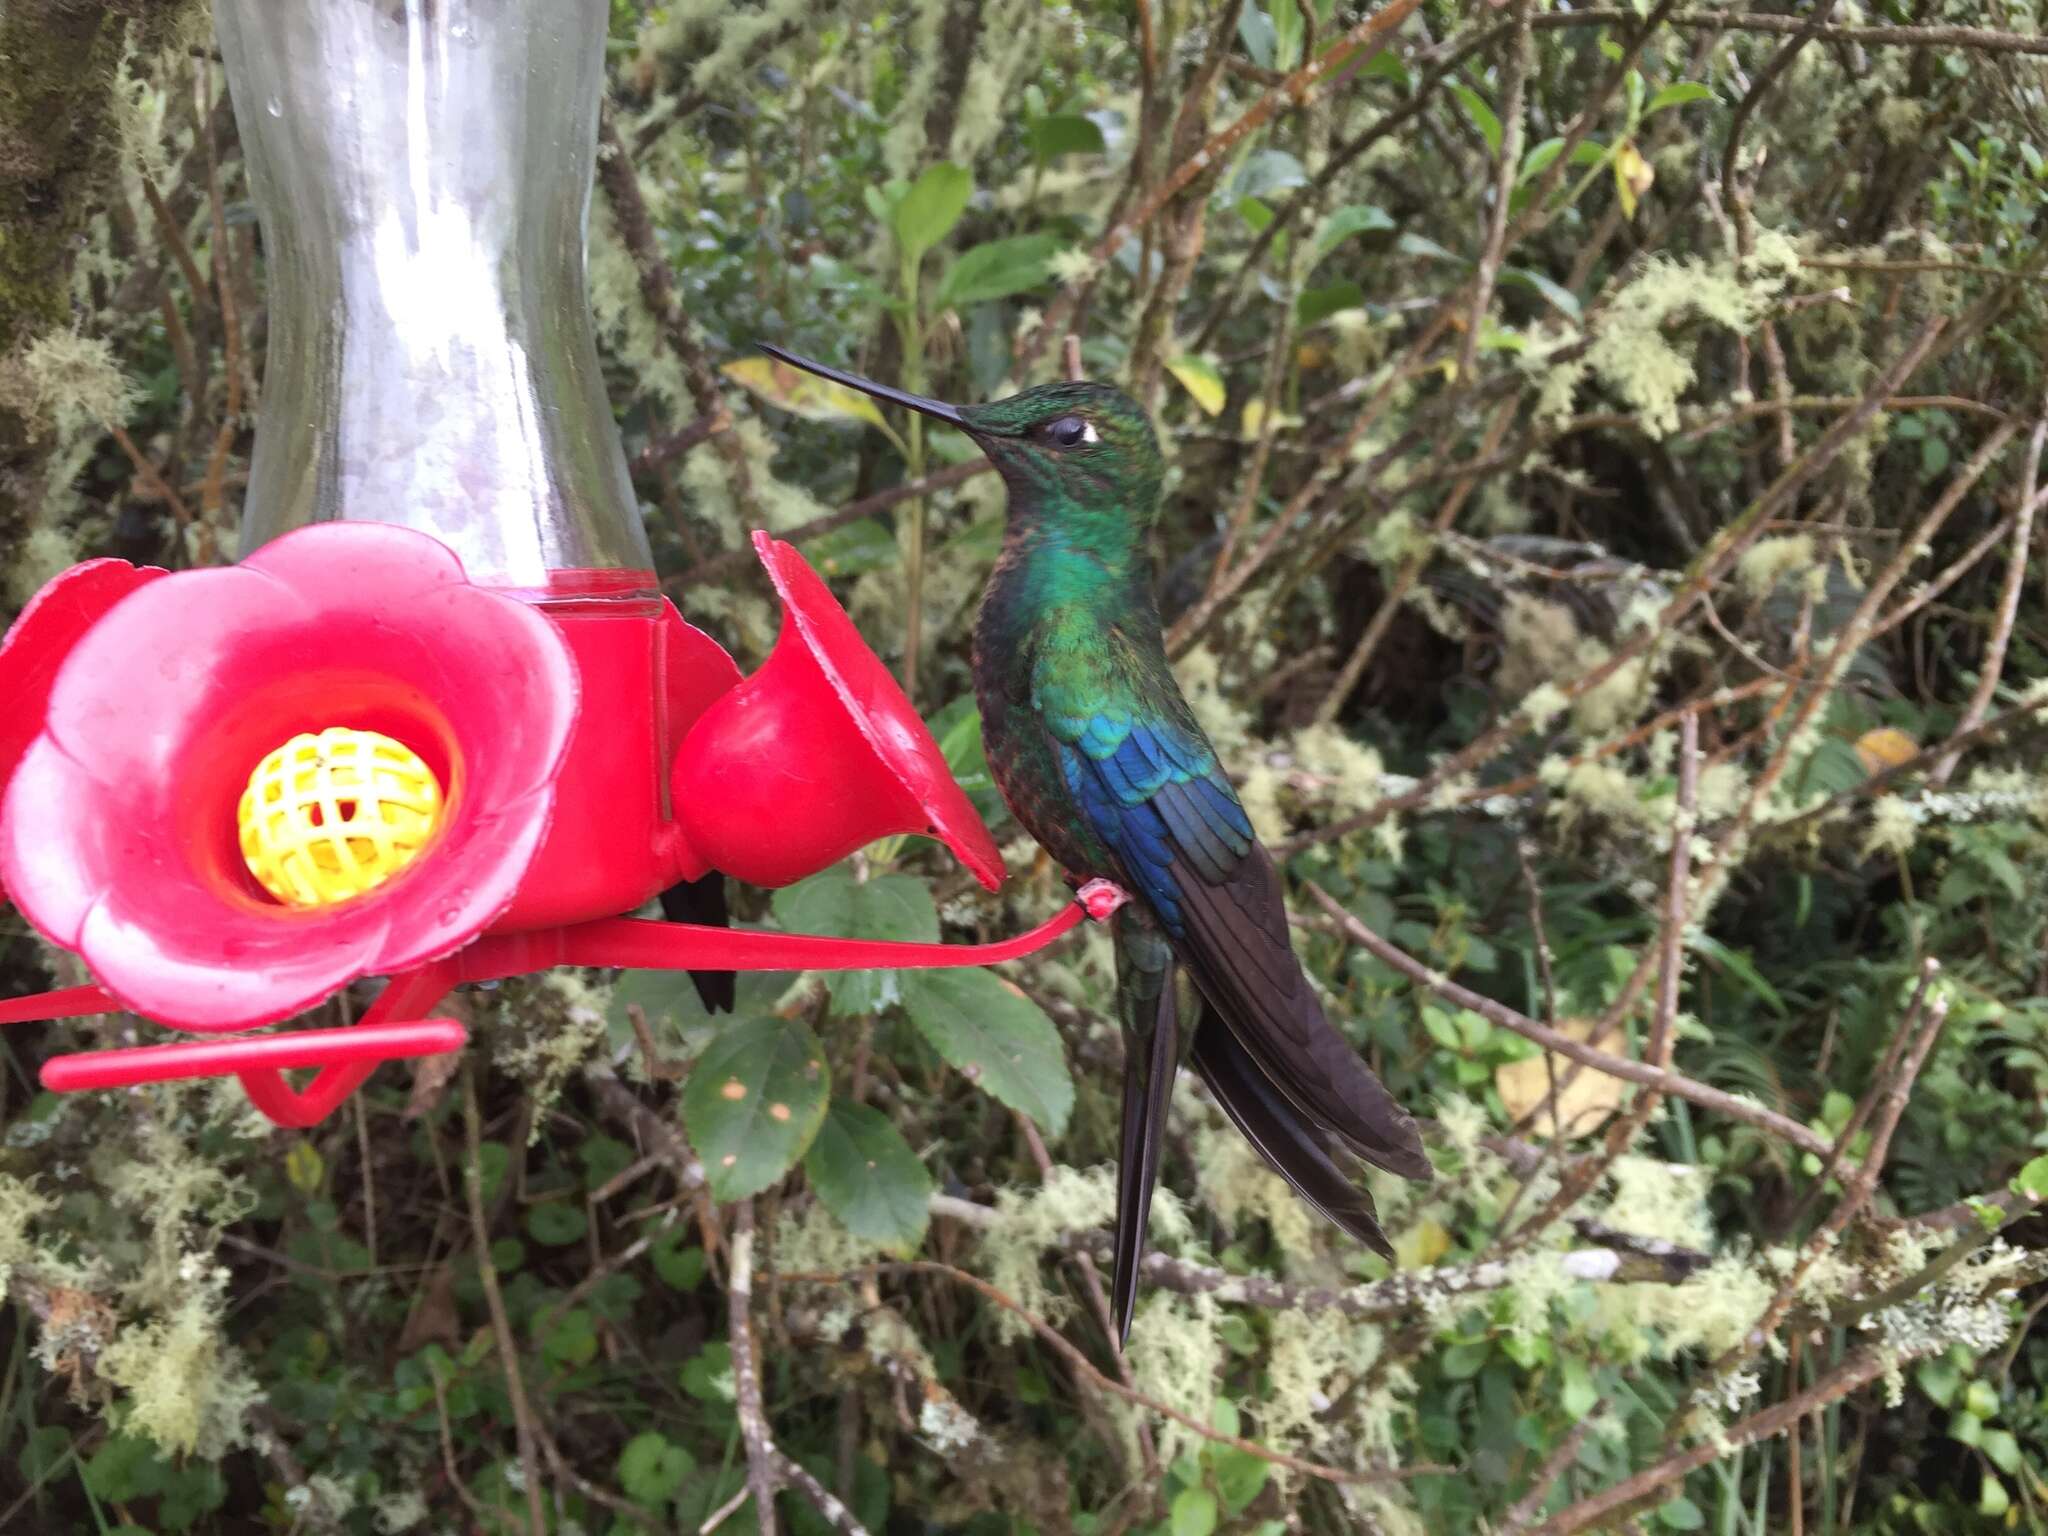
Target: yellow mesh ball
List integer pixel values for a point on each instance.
(328, 817)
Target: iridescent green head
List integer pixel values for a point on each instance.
(1071, 454)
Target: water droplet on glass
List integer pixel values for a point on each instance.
(274, 106)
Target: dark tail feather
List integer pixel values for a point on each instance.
(1266, 1119)
(703, 901)
(1152, 1036)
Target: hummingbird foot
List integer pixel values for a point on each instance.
(1101, 898)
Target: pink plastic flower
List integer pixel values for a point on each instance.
(118, 827)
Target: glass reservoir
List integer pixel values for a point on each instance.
(422, 171)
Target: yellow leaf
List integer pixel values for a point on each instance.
(800, 393)
(1633, 176)
(1885, 747)
(305, 1167)
(1198, 376)
(1421, 1245)
(1583, 1103)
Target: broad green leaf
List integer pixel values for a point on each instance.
(304, 1167)
(1194, 1509)
(1483, 116)
(1737, 964)
(652, 1467)
(996, 269)
(1287, 33)
(1992, 1499)
(2003, 1449)
(1633, 176)
(1266, 172)
(677, 1260)
(800, 393)
(1320, 303)
(1343, 223)
(885, 907)
(1200, 378)
(675, 1014)
(931, 208)
(1387, 65)
(1681, 1514)
(857, 548)
(1678, 95)
(868, 1177)
(753, 1102)
(556, 1223)
(1538, 160)
(1065, 134)
(1240, 1476)
(1412, 244)
(997, 1037)
(1255, 30)
(1559, 297)
(2032, 1179)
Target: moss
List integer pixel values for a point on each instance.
(1176, 1355)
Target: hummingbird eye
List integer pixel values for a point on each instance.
(1071, 431)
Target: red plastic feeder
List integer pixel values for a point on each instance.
(125, 827)
(439, 724)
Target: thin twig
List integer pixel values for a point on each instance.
(494, 1299)
(1993, 666)
(1676, 1084)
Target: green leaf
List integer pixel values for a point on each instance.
(1412, 244)
(1678, 95)
(931, 208)
(678, 1261)
(556, 1223)
(2032, 1179)
(753, 1102)
(1992, 1499)
(1239, 1476)
(1738, 965)
(886, 907)
(568, 1338)
(1201, 379)
(1287, 33)
(801, 393)
(652, 1467)
(1681, 1514)
(1483, 117)
(854, 550)
(304, 1167)
(1538, 160)
(1320, 303)
(995, 269)
(1194, 1512)
(2003, 1449)
(1062, 134)
(1266, 172)
(1559, 297)
(997, 1037)
(868, 1177)
(1343, 223)
(1255, 30)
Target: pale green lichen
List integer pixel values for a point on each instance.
(1033, 1220)
(547, 1041)
(1632, 353)
(1768, 562)
(185, 1387)
(1176, 1355)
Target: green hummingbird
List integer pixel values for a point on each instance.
(1100, 758)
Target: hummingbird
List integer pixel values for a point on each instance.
(1101, 759)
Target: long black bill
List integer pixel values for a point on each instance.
(934, 408)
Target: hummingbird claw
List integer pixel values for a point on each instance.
(1101, 898)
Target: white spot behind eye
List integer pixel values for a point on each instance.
(1088, 432)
